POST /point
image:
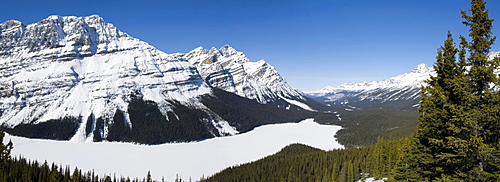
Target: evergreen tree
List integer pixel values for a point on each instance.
(480, 31)
(148, 177)
(457, 139)
(441, 141)
(4, 152)
(485, 99)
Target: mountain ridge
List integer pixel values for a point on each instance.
(230, 70)
(399, 92)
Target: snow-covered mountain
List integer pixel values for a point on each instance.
(492, 55)
(399, 92)
(82, 79)
(230, 70)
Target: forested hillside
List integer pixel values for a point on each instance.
(298, 162)
(363, 127)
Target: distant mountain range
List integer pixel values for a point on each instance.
(401, 92)
(82, 79)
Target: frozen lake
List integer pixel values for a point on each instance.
(185, 159)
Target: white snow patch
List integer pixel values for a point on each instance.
(298, 104)
(224, 128)
(373, 180)
(338, 117)
(185, 159)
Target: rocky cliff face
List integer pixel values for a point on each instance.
(230, 70)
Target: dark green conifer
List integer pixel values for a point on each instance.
(485, 99)
(457, 138)
(480, 31)
(148, 177)
(4, 152)
(441, 139)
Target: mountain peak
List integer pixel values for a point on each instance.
(11, 22)
(492, 55)
(227, 50)
(10, 27)
(83, 35)
(59, 17)
(422, 68)
(226, 47)
(198, 48)
(95, 17)
(54, 17)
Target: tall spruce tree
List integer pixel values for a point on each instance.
(480, 31)
(4, 152)
(485, 99)
(439, 146)
(457, 138)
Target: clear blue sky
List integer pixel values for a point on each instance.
(312, 44)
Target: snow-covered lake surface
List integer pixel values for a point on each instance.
(185, 159)
(373, 180)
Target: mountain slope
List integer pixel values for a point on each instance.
(81, 79)
(230, 70)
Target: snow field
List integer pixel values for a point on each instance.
(188, 160)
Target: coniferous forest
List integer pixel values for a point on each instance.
(456, 138)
